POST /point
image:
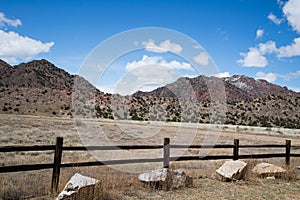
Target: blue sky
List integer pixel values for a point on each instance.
(257, 38)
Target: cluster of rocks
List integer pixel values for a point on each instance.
(83, 187)
(80, 186)
(235, 170)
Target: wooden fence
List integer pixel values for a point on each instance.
(166, 158)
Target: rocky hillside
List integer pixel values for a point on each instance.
(36, 88)
(35, 74)
(40, 88)
(237, 88)
(249, 102)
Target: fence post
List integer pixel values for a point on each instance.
(287, 151)
(166, 152)
(236, 149)
(56, 165)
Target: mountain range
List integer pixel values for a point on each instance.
(40, 88)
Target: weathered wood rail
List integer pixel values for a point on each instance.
(165, 159)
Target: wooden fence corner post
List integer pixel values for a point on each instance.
(287, 151)
(56, 165)
(236, 149)
(166, 152)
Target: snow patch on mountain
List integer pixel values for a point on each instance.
(238, 82)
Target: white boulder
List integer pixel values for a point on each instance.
(267, 169)
(78, 187)
(166, 179)
(231, 170)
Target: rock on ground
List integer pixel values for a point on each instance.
(231, 170)
(267, 169)
(270, 178)
(166, 179)
(78, 187)
(181, 179)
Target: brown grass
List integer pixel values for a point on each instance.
(117, 184)
(292, 173)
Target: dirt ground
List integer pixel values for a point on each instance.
(29, 130)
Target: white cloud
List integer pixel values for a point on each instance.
(9, 22)
(157, 60)
(190, 75)
(254, 58)
(222, 75)
(259, 33)
(274, 19)
(273, 76)
(291, 75)
(149, 73)
(295, 74)
(267, 48)
(14, 46)
(145, 78)
(163, 47)
(292, 12)
(256, 55)
(296, 89)
(290, 50)
(202, 58)
(270, 77)
(107, 88)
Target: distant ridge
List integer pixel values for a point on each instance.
(40, 88)
(237, 87)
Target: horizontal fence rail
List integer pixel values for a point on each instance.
(27, 148)
(132, 147)
(165, 159)
(20, 168)
(123, 147)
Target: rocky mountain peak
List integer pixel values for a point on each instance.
(36, 74)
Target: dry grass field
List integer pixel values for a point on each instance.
(120, 182)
